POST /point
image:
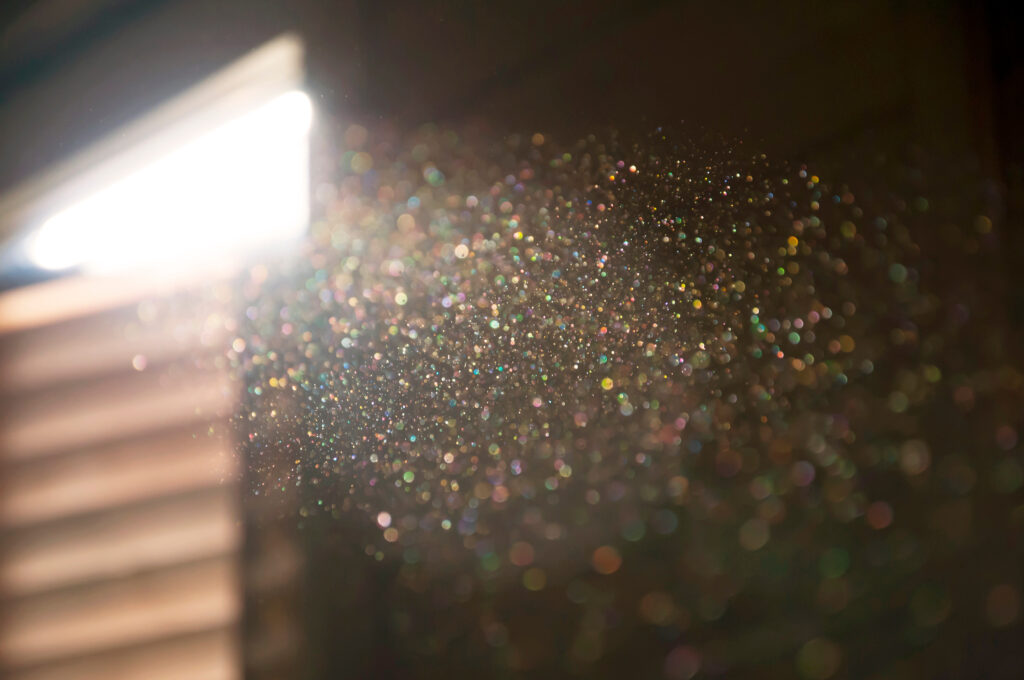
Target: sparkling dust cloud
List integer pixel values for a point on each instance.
(726, 382)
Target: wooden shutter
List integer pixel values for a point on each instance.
(120, 520)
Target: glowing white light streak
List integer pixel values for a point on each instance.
(240, 187)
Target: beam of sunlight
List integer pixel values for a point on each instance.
(241, 186)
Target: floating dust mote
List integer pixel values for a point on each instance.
(670, 380)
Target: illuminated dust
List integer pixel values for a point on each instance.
(667, 400)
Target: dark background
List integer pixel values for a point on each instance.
(800, 78)
(807, 81)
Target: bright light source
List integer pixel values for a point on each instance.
(240, 187)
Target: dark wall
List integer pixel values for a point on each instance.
(793, 77)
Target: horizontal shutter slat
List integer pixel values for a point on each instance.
(119, 544)
(103, 345)
(133, 610)
(121, 407)
(210, 655)
(108, 476)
